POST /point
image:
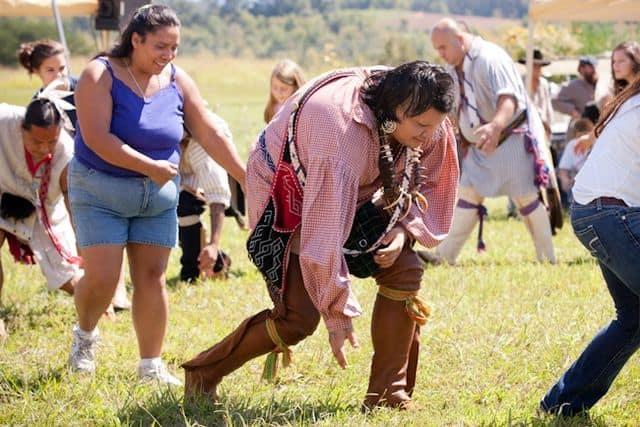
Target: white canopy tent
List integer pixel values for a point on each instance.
(577, 10)
(58, 8)
(45, 7)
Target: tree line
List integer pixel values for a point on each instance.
(326, 32)
(502, 8)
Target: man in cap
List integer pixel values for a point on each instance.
(575, 95)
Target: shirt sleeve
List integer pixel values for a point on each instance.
(439, 187)
(564, 101)
(504, 81)
(210, 176)
(568, 161)
(330, 197)
(547, 108)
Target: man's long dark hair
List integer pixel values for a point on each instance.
(417, 86)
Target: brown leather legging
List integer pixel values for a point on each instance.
(296, 319)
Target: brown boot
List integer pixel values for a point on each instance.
(412, 366)
(395, 338)
(204, 372)
(251, 339)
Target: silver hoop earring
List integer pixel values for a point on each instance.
(389, 126)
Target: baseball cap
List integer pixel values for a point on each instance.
(588, 60)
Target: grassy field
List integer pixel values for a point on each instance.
(503, 329)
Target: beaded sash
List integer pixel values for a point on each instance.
(269, 243)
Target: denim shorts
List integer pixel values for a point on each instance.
(111, 210)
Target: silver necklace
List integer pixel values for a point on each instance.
(126, 63)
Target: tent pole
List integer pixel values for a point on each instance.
(63, 40)
(105, 39)
(529, 56)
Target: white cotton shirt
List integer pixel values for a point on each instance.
(199, 171)
(16, 179)
(613, 166)
(570, 160)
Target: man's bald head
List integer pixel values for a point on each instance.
(447, 26)
(448, 40)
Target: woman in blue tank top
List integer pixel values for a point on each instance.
(123, 181)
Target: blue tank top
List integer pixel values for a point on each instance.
(152, 126)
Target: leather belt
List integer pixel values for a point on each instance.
(609, 201)
(515, 123)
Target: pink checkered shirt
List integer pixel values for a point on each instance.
(338, 144)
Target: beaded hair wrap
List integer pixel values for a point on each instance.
(54, 95)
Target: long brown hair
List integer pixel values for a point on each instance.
(612, 107)
(289, 73)
(632, 51)
(31, 55)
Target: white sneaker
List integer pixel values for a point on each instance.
(154, 370)
(82, 351)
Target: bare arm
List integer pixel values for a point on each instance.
(565, 180)
(64, 187)
(489, 134)
(209, 253)
(94, 119)
(206, 132)
(216, 211)
(563, 102)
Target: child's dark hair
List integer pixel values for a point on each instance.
(41, 113)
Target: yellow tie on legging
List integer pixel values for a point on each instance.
(416, 306)
(271, 365)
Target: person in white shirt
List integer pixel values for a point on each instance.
(605, 218)
(203, 182)
(34, 216)
(571, 162)
(540, 90)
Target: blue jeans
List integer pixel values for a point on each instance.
(612, 234)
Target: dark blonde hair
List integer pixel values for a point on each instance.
(31, 55)
(583, 125)
(612, 107)
(289, 73)
(632, 50)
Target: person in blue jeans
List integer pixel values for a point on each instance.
(606, 219)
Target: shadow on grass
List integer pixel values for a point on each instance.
(234, 273)
(167, 408)
(560, 421)
(483, 261)
(581, 420)
(581, 260)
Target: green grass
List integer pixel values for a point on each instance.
(503, 329)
